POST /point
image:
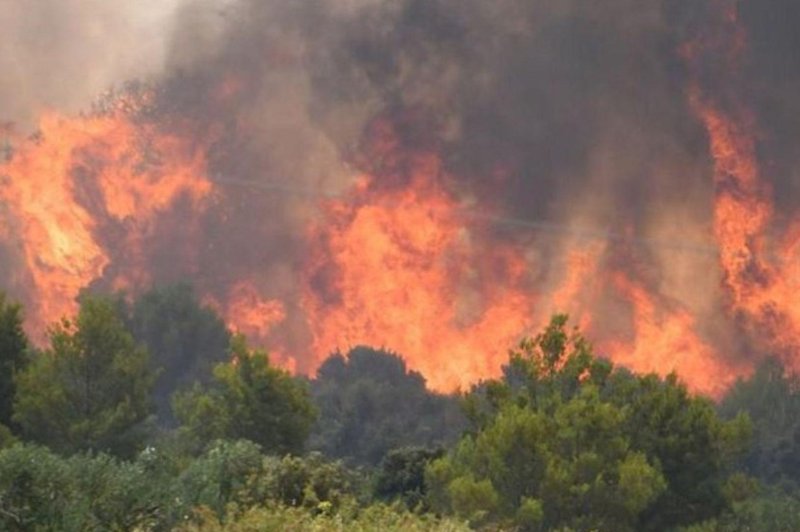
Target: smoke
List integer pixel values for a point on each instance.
(773, 74)
(561, 132)
(573, 113)
(63, 53)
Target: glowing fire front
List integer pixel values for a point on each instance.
(79, 176)
(398, 259)
(394, 264)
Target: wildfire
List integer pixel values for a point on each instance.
(397, 266)
(760, 288)
(576, 290)
(665, 340)
(247, 312)
(407, 258)
(77, 176)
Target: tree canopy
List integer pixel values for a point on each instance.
(771, 397)
(184, 338)
(90, 390)
(249, 399)
(369, 403)
(13, 355)
(565, 440)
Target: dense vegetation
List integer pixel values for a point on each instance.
(148, 414)
(369, 403)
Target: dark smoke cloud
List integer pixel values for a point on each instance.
(557, 96)
(773, 74)
(571, 111)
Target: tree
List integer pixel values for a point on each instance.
(90, 390)
(185, 340)
(13, 348)
(771, 398)
(771, 509)
(695, 449)
(401, 475)
(249, 399)
(370, 403)
(565, 440)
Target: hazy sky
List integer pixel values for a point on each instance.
(62, 53)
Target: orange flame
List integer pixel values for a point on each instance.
(74, 176)
(397, 267)
(250, 314)
(247, 312)
(760, 288)
(397, 262)
(665, 340)
(571, 295)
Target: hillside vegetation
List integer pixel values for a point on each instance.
(151, 415)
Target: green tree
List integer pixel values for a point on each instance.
(565, 440)
(249, 399)
(184, 338)
(401, 475)
(771, 510)
(771, 397)
(13, 356)
(40, 490)
(310, 481)
(90, 390)
(368, 519)
(694, 448)
(370, 403)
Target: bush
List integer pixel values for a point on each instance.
(42, 491)
(279, 518)
(401, 475)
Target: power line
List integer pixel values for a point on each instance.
(542, 226)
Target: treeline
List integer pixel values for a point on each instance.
(150, 415)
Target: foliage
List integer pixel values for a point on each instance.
(185, 340)
(13, 347)
(693, 447)
(564, 440)
(222, 475)
(370, 403)
(311, 482)
(249, 399)
(278, 518)
(574, 468)
(42, 491)
(773, 510)
(236, 473)
(90, 390)
(771, 397)
(401, 475)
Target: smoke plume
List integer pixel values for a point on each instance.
(435, 176)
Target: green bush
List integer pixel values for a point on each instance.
(40, 490)
(567, 440)
(281, 518)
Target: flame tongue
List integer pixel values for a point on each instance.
(665, 339)
(742, 209)
(397, 266)
(120, 198)
(77, 175)
(758, 286)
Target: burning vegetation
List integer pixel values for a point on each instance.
(437, 178)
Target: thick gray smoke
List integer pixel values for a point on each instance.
(570, 112)
(61, 54)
